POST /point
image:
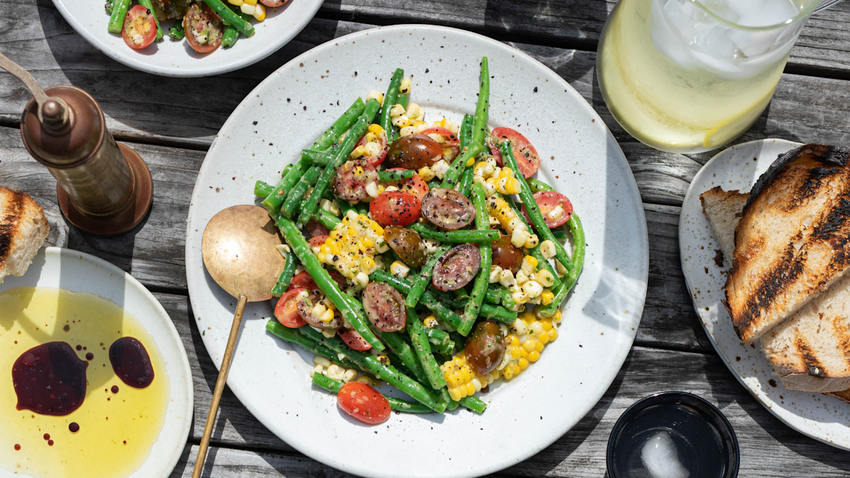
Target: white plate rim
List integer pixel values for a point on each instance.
(815, 415)
(277, 30)
(630, 319)
(169, 447)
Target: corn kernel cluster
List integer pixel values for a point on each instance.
(521, 236)
(528, 285)
(374, 137)
(495, 179)
(352, 246)
(250, 7)
(526, 339)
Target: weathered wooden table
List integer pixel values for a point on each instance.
(171, 124)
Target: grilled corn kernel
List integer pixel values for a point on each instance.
(399, 269)
(376, 128)
(335, 372)
(404, 87)
(430, 322)
(396, 110)
(495, 273)
(414, 111)
(519, 236)
(440, 168)
(376, 95)
(319, 360)
(521, 277)
(545, 278)
(547, 249)
(247, 8)
(407, 131)
(359, 152)
(426, 173)
(529, 263)
(361, 279)
(532, 241)
(401, 121)
(509, 185)
(372, 189)
(556, 213)
(506, 278)
(532, 288)
(318, 369)
(236, 2)
(559, 268)
(259, 12)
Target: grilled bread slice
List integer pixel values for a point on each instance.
(793, 239)
(23, 229)
(809, 351)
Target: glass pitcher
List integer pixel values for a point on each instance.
(690, 76)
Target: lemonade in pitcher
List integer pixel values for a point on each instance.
(689, 76)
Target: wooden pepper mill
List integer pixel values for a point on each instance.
(103, 188)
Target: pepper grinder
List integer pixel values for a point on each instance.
(104, 188)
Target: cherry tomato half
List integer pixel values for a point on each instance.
(203, 28)
(414, 152)
(379, 158)
(286, 310)
(548, 202)
(139, 28)
(302, 280)
(317, 241)
(353, 339)
(414, 185)
(450, 141)
(273, 3)
(363, 403)
(526, 156)
(395, 208)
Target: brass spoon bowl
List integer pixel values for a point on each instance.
(238, 247)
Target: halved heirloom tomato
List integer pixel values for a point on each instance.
(353, 339)
(548, 202)
(449, 141)
(203, 28)
(382, 143)
(139, 28)
(395, 208)
(526, 156)
(414, 185)
(363, 403)
(286, 310)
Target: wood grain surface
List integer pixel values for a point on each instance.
(172, 126)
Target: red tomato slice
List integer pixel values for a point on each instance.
(414, 185)
(203, 28)
(286, 309)
(273, 3)
(363, 403)
(548, 201)
(139, 28)
(382, 142)
(526, 156)
(302, 280)
(317, 241)
(449, 141)
(395, 208)
(353, 339)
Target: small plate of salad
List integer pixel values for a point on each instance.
(465, 247)
(223, 35)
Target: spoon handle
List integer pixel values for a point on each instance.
(219, 385)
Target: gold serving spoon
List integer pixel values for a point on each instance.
(239, 252)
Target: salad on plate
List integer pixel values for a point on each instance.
(424, 256)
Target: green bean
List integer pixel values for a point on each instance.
(327, 219)
(466, 179)
(403, 99)
(108, 6)
(396, 175)
(560, 235)
(482, 281)
(293, 336)
(423, 350)
(458, 237)
(389, 101)
(404, 353)
(498, 313)
(229, 37)
(428, 299)
(389, 374)
(466, 131)
(421, 281)
(473, 403)
(479, 124)
(262, 189)
(275, 199)
(310, 204)
(440, 341)
(561, 291)
(119, 11)
(230, 18)
(340, 126)
(404, 406)
(313, 267)
(285, 275)
(176, 31)
(294, 196)
(321, 158)
(147, 4)
(542, 262)
(537, 185)
(533, 210)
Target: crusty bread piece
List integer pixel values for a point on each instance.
(793, 240)
(809, 351)
(723, 210)
(23, 229)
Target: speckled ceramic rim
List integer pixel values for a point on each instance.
(714, 415)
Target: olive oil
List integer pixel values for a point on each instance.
(111, 434)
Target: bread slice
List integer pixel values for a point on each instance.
(793, 239)
(809, 351)
(23, 229)
(723, 210)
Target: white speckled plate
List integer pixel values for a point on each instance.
(76, 271)
(818, 416)
(177, 58)
(293, 107)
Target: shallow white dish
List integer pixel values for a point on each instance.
(80, 272)
(294, 106)
(177, 58)
(821, 417)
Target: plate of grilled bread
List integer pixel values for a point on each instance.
(764, 237)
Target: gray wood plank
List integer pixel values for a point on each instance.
(768, 447)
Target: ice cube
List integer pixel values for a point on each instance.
(661, 458)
